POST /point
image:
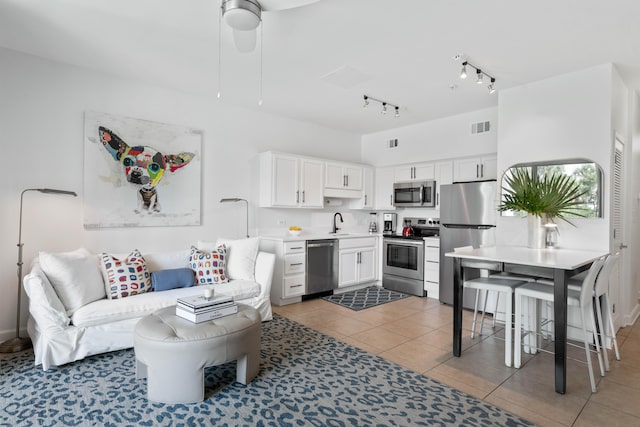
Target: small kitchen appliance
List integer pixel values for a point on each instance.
(373, 222)
(407, 230)
(389, 221)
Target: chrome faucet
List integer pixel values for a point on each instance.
(335, 227)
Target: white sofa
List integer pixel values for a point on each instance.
(107, 324)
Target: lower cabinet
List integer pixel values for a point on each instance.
(289, 280)
(432, 267)
(357, 261)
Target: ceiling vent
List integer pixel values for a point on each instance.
(480, 127)
(392, 143)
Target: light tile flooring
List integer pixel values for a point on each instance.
(417, 333)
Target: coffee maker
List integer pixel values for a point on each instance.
(389, 221)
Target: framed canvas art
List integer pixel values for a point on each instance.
(139, 173)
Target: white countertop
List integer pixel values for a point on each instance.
(310, 235)
(566, 259)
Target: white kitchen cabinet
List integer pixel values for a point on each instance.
(357, 263)
(475, 168)
(384, 179)
(415, 172)
(290, 181)
(289, 272)
(368, 189)
(444, 176)
(342, 176)
(432, 267)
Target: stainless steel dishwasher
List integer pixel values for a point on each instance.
(322, 266)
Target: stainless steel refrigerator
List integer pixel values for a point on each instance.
(467, 218)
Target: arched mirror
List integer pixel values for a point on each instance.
(586, 173)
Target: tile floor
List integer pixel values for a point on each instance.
(417, 333)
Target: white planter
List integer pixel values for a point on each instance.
(536, 232)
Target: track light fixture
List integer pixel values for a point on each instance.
(480, 75)
(385, 105)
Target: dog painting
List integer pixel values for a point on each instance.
(140, 173)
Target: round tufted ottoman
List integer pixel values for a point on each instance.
(172, 352)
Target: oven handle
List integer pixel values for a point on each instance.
(405, 242)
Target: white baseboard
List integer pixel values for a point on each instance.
(11, 333)
(631, 318)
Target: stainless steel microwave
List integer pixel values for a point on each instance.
(421, 194)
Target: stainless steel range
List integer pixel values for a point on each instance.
(403, 256)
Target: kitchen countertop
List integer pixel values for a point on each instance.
(287, 237)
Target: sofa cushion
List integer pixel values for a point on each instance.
(241, 256)
(75, 276)
(108, 311)
(164, 280)
(209, 265)
(125, 277)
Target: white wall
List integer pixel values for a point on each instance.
(445, 138)
(564, 117)
(41, 118)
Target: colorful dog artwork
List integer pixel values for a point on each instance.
(143, 166)
(139, 173)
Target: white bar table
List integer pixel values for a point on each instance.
(557, 264)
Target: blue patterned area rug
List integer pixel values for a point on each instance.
(365, 298)
(305, 379)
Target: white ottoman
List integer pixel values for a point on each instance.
(172, 352)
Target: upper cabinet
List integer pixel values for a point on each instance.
(415, 172)
(366, 201)
(290, 181)
(444, 176)
(343, 176)
(384, 179)
(475, 169)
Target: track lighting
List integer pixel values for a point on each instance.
(385, 105)
(480, 75)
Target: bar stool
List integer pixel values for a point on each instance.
(575, 298)
(499, 284)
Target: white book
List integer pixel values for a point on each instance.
(199, 301)
(202, 309)
(206, 315)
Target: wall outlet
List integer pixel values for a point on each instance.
(281, 222)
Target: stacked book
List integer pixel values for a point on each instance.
(200, 309)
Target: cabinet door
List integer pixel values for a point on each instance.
(334, 176)
(354, 177)
(293, 286)
(285, 181)
(367, 267)
(424, 171)
(489, 167)
(384, 180)
(466, 170)
(368, 189)
(348, 270)
(403, 173)
(444, 176)
(312, 186)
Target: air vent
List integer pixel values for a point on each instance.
(392, 143)
(480, 127)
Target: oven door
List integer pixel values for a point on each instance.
(403, 258)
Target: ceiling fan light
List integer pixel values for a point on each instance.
(242, 15)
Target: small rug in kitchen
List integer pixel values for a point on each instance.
(365, 298)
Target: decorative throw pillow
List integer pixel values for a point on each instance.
(75, 276)
(127, 277)
(241, 256)
(163, 280)
(209, 266)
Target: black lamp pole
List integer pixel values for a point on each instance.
(18, 344)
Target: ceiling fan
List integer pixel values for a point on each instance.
(244, 17)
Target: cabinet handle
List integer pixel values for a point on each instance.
(477, 171)
(482, 171)
(437, 199)
(391, 199)
(297, 247)
(359, 257)
(297, 197)
(365, 199)
(302, 196)
(296, 286)
(296, 263)
(347, 176)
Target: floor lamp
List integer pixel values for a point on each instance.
(235, 199)
(18, 344)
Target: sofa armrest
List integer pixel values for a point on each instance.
(265, 262)
(45, 307)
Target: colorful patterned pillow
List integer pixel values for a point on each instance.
(209, 266)
(123, 278)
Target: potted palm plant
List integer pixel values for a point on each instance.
(543, 198)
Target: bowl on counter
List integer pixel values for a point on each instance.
(295, 232)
